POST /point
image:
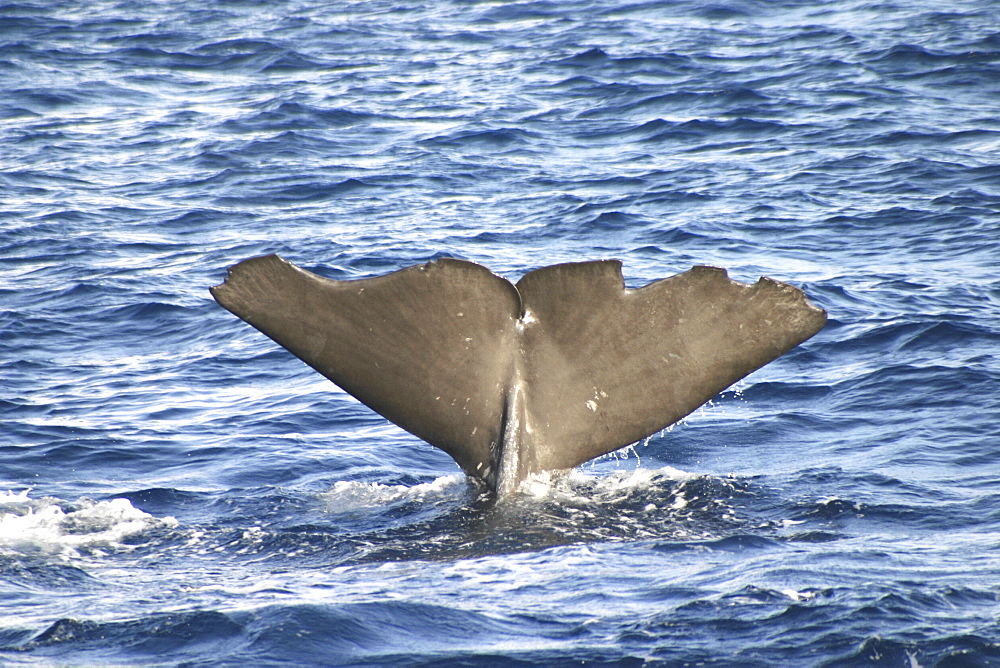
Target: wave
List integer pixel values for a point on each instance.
(89, 528)
(294, 116)
(362, 522)
(494, 138)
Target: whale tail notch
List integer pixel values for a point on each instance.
(512, 380)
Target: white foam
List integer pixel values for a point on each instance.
(616, 483)
(799, 596)
(352, 495)
(44, 527)
(10, 498)
(563, 486)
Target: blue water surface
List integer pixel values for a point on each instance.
(177, 489)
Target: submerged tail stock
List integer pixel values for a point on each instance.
(511, 380)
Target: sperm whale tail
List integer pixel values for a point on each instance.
(511, 380)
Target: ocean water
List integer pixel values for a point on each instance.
(177, 489)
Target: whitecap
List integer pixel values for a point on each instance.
(45, 527)
(350, 495)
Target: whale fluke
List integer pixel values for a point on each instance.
(512, 380)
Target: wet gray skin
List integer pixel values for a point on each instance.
(511, 380)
